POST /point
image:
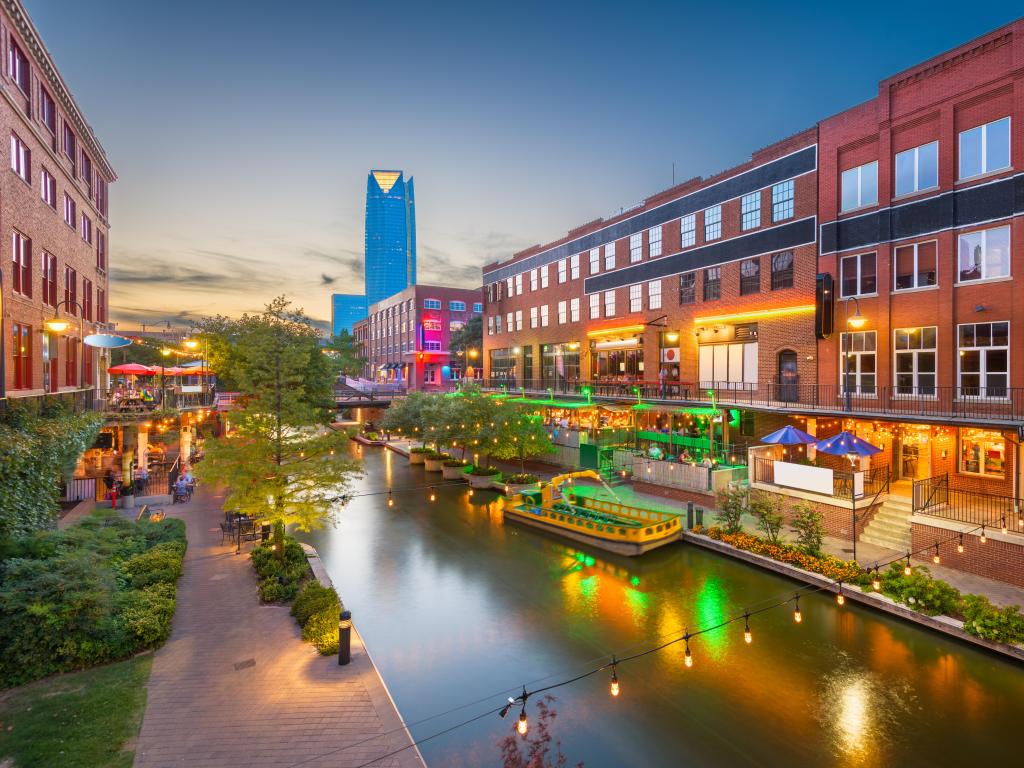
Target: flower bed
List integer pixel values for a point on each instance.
(826, 565)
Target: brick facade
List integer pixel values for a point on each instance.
(1000, 559)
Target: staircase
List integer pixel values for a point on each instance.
(890, 527)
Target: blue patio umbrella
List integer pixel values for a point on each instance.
(846, 444)
(789, 436)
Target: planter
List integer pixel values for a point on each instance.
(482, 481)
(417, 458)
(454, 473)
(127, 502)
(435, 464)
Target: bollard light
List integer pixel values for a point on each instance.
(345, 638)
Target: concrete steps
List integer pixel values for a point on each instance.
(890, 526)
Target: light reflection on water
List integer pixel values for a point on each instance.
(455, 604)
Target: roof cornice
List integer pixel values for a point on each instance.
(61, 92)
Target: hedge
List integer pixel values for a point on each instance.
(317, 609)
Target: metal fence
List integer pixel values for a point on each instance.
(876, 479)
(935, 498)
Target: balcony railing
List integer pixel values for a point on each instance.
(934, 497)
(1003, 404)
(875, 479)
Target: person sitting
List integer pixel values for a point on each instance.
(654, 452)
(181, 489)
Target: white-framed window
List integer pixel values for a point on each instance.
(561, 270)
(21, 158)
(654, 241)
(519, 284)
(533, 317)
(858, 350)
(574, 266)
(544, 316)
(750, 276)
(985, 149)
(984, 254)
(609, 303)
(712, 223)
(750, 211)
(595, 261)
(857, 275)
(70, 214)
(519, 319)
(654, 294)
(431, 303)
(984, 359)
(456, 306)
(595, 306)
(688, 288)
(609, 256)
(428, 346)
(509, 287)
(859, 186)
(86, 229)
(917, 169)
(497, 324)
(478, 307)
(574, 310)
(688, 230)
(544, 276)
(982, 452)
(915, 266)
(782, 270)
(782, 200)
(48, 188)
(636, 247)
(533, 279)
(916, 359)
(563, 312)
(508, 322)
(636, 300)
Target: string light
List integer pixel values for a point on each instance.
(935, 558)
(748, 638)
(840, 598)
(522, 726)
(687, 658)
(981, 538)
(907, 569)
(960, 545)
(797, 616)
(1004, 525)
(876, 582)
(613, 688)
(391, 500)
(433, 496)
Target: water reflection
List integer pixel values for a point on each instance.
(455, 605)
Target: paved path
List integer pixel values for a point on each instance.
(236, 686)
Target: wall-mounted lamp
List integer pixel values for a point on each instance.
(979, 307)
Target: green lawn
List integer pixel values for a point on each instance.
(84, 719)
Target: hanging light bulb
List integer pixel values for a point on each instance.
(687, 658)
(470, 491)
(747, 637)
(522, 726)
(797, 616)
(391, 500)
(433, 496)
(906, 569)
(876, 582)
(1004, 525)
(613, 688)
(840, 597)
(960, 545)
(982, 538)
(935, 558)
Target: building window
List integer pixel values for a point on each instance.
(688, 230)
(87, 229)
(48, 188)
(453, 325)
(595, 261)
(49, 265)
(712, 223)
(48, 111)
(456, 306)
(985, 149)
(728, 366)
(519, 319)
(750, 276)
(917, 169)
(490, 325)
(431, 346)
(654, 294)
(87, 172)
(985, 254)
(574, 310)
(519, 284)
(712, 283)
(609, 256)
(21, 159)
(510, 287)
(782, 200)
(688, 288)
(750, 211)
(915, 352)
(533, 279)
(70, 214)
(636, 301)
(21, 256)
(636, 247)
(497, 324)
(477, 306)
(21, 350)
(561, 270)
(533, 317)
(782, 270)
(508, 323)
(71, 290)
(654, 241)
(87, 299)
(563, 312)
(915, 266)
(70, 146)
(431, 303)
(982, 452)
(859, 351)
(609, 303)
(574, 266)
(984, 359)
(544, 276)
(101, 305)
(17, 66)
(544, 316)
(860, 186)
(857, 275)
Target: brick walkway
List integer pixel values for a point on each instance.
(236, 686)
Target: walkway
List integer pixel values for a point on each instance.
(236, 686)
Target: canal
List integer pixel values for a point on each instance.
(457, 606)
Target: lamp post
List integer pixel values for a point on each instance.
(853, 500)
(165, 352)
(57, 325)
(856, 323)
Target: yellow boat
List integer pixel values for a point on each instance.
(608, 525)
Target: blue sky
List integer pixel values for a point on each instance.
(242, 131)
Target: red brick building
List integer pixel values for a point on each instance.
(54, 221)
(405, 337)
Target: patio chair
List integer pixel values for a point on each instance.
(227, 531)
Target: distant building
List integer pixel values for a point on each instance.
(390, 254)
(406, 337)
(346, 310)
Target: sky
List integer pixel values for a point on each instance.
(242, 131)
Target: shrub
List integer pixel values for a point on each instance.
(280, 577)
(846, 571)
(160, 563)
(456, 463)
(147, 614)
(522, 478)
(485, 471)
(810, 528)
(731, 503)
(322, 629)
(984, 620)
(421, 449)
(313, 597)
(273, 590)
(920, 591)
(769, 519)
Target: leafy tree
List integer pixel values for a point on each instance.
(731, 504)
(810, 528)
(520, 436)
(347, 354)
(766, 510)
(470, 336)
(405, 416)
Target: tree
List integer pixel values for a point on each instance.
(520, 436)
(469, 336)
(766, 509)
(346, 354)
(277, 460)
(810, 530)
(405, 416)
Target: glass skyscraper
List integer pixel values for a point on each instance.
(390, 255)
(346, 310)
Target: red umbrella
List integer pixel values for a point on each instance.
(131, 369)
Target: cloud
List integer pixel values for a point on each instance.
(327, 279)
(350, 261)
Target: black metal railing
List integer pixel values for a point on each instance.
(935, 498)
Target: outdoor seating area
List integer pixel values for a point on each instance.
(239, 528)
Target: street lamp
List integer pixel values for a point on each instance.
(59, 325)
(855, 323)
(163, 387)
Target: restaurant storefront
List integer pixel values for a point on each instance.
(617, 355)
(560, 365)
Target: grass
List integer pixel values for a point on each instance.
(86, 719)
